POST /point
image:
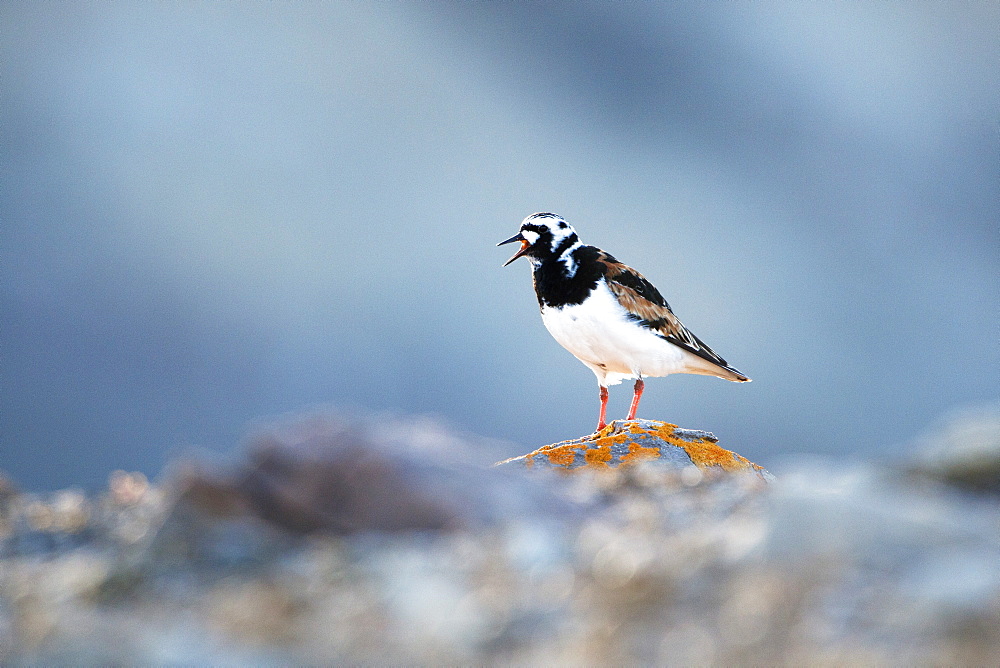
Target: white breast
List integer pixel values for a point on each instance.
(601, 335)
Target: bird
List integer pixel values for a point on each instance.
(608, 315)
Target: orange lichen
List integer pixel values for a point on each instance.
(704, 453)
(608, 428)
(560, 455)
(665, 427)
(643, 444)
(599, 454)
(638, 453)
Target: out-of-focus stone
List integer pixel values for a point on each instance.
(964, 450)
(322, 473)
(628, 442)
(126, 488)
(833, 563)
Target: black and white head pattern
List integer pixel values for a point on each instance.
(550, 238)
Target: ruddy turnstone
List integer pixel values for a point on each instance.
(607, 314)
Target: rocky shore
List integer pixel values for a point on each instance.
(329, 540)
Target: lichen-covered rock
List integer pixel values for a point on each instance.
(627, 442)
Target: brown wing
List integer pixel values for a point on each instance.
(647, 306)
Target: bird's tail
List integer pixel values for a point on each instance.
(729, 373)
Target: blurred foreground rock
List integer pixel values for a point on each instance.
(332, 541)
(630, 442)
(964, 450)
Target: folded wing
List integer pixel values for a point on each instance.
(646, 305)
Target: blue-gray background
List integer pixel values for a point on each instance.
(216, 212)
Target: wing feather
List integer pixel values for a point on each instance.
(646, 305)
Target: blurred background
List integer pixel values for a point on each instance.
(212, 213)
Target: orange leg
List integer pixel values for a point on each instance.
(639, 386)
(601, 424)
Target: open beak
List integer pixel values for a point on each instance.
(524, 247)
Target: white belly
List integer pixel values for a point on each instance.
(600, 334)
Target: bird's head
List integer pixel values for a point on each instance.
(543, 236)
